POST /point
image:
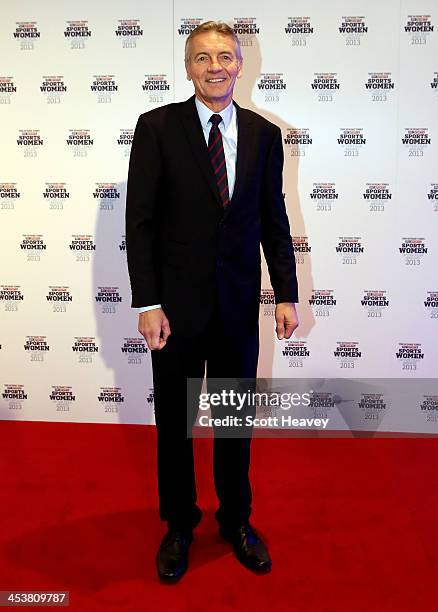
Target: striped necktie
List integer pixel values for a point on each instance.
(217, 157)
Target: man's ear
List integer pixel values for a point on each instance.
(188, 77)
(240, 70)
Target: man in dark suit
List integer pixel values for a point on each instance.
(204, 191)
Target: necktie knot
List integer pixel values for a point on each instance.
(215, 120)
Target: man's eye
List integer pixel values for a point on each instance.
(202, 58)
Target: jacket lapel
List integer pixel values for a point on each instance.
(195, 137)
(245, 145)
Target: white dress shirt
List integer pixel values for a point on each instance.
(228, 130)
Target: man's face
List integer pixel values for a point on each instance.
(213, 66)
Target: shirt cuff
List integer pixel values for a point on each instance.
(145, 308)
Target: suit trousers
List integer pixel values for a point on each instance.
(215, 353)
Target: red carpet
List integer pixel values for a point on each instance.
(351, 523)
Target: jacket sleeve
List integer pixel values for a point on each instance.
(275, 234)
(144, 176)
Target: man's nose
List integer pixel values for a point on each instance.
(215, 65)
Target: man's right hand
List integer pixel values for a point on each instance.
(154, 327)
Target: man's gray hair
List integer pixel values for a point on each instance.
(213, 26)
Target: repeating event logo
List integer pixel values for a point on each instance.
(8, 194)
(301, 248)
(353, 28)
(246, 29)
(85, 347)
(111, 397)
(375, 194)
(150, 396)
(53, 88)
(325, 84)
(347, 354)
(350, 249)
(432, 196)
(322, 302)
(409, 354)
(125, 140)
(433, 84)
(122, 244)
(267, 302)
(26, 32)
(413, 250)
(11, 295)
(129, 30)
(271, 84)
(378, 85)
(374, 406)
(430, 304)
(108, 297)
(59, 297)
(62, 397)
(29, 141)
(298, 141)
(7, 89)
(429, 408)
(82, 245)
(351, 140)
(106, 193)
(323, 194)
(15, 395)
(321, 404)
(296, 353)
(298, 30)
(56, 193)
(80, 141)
(416, 140)
(77, 32)
(33, 244)
(134, 348)
(157, 88)
(104, 86)
(375, 302)
(37, 347)
(419, 27)
(188, 24)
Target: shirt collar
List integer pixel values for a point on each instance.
(205, 113)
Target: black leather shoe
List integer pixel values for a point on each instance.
(173, 555)
(248, 548)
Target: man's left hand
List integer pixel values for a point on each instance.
(287, 320)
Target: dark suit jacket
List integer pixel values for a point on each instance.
(184, 251)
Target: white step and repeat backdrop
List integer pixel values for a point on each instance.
(353, 86)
